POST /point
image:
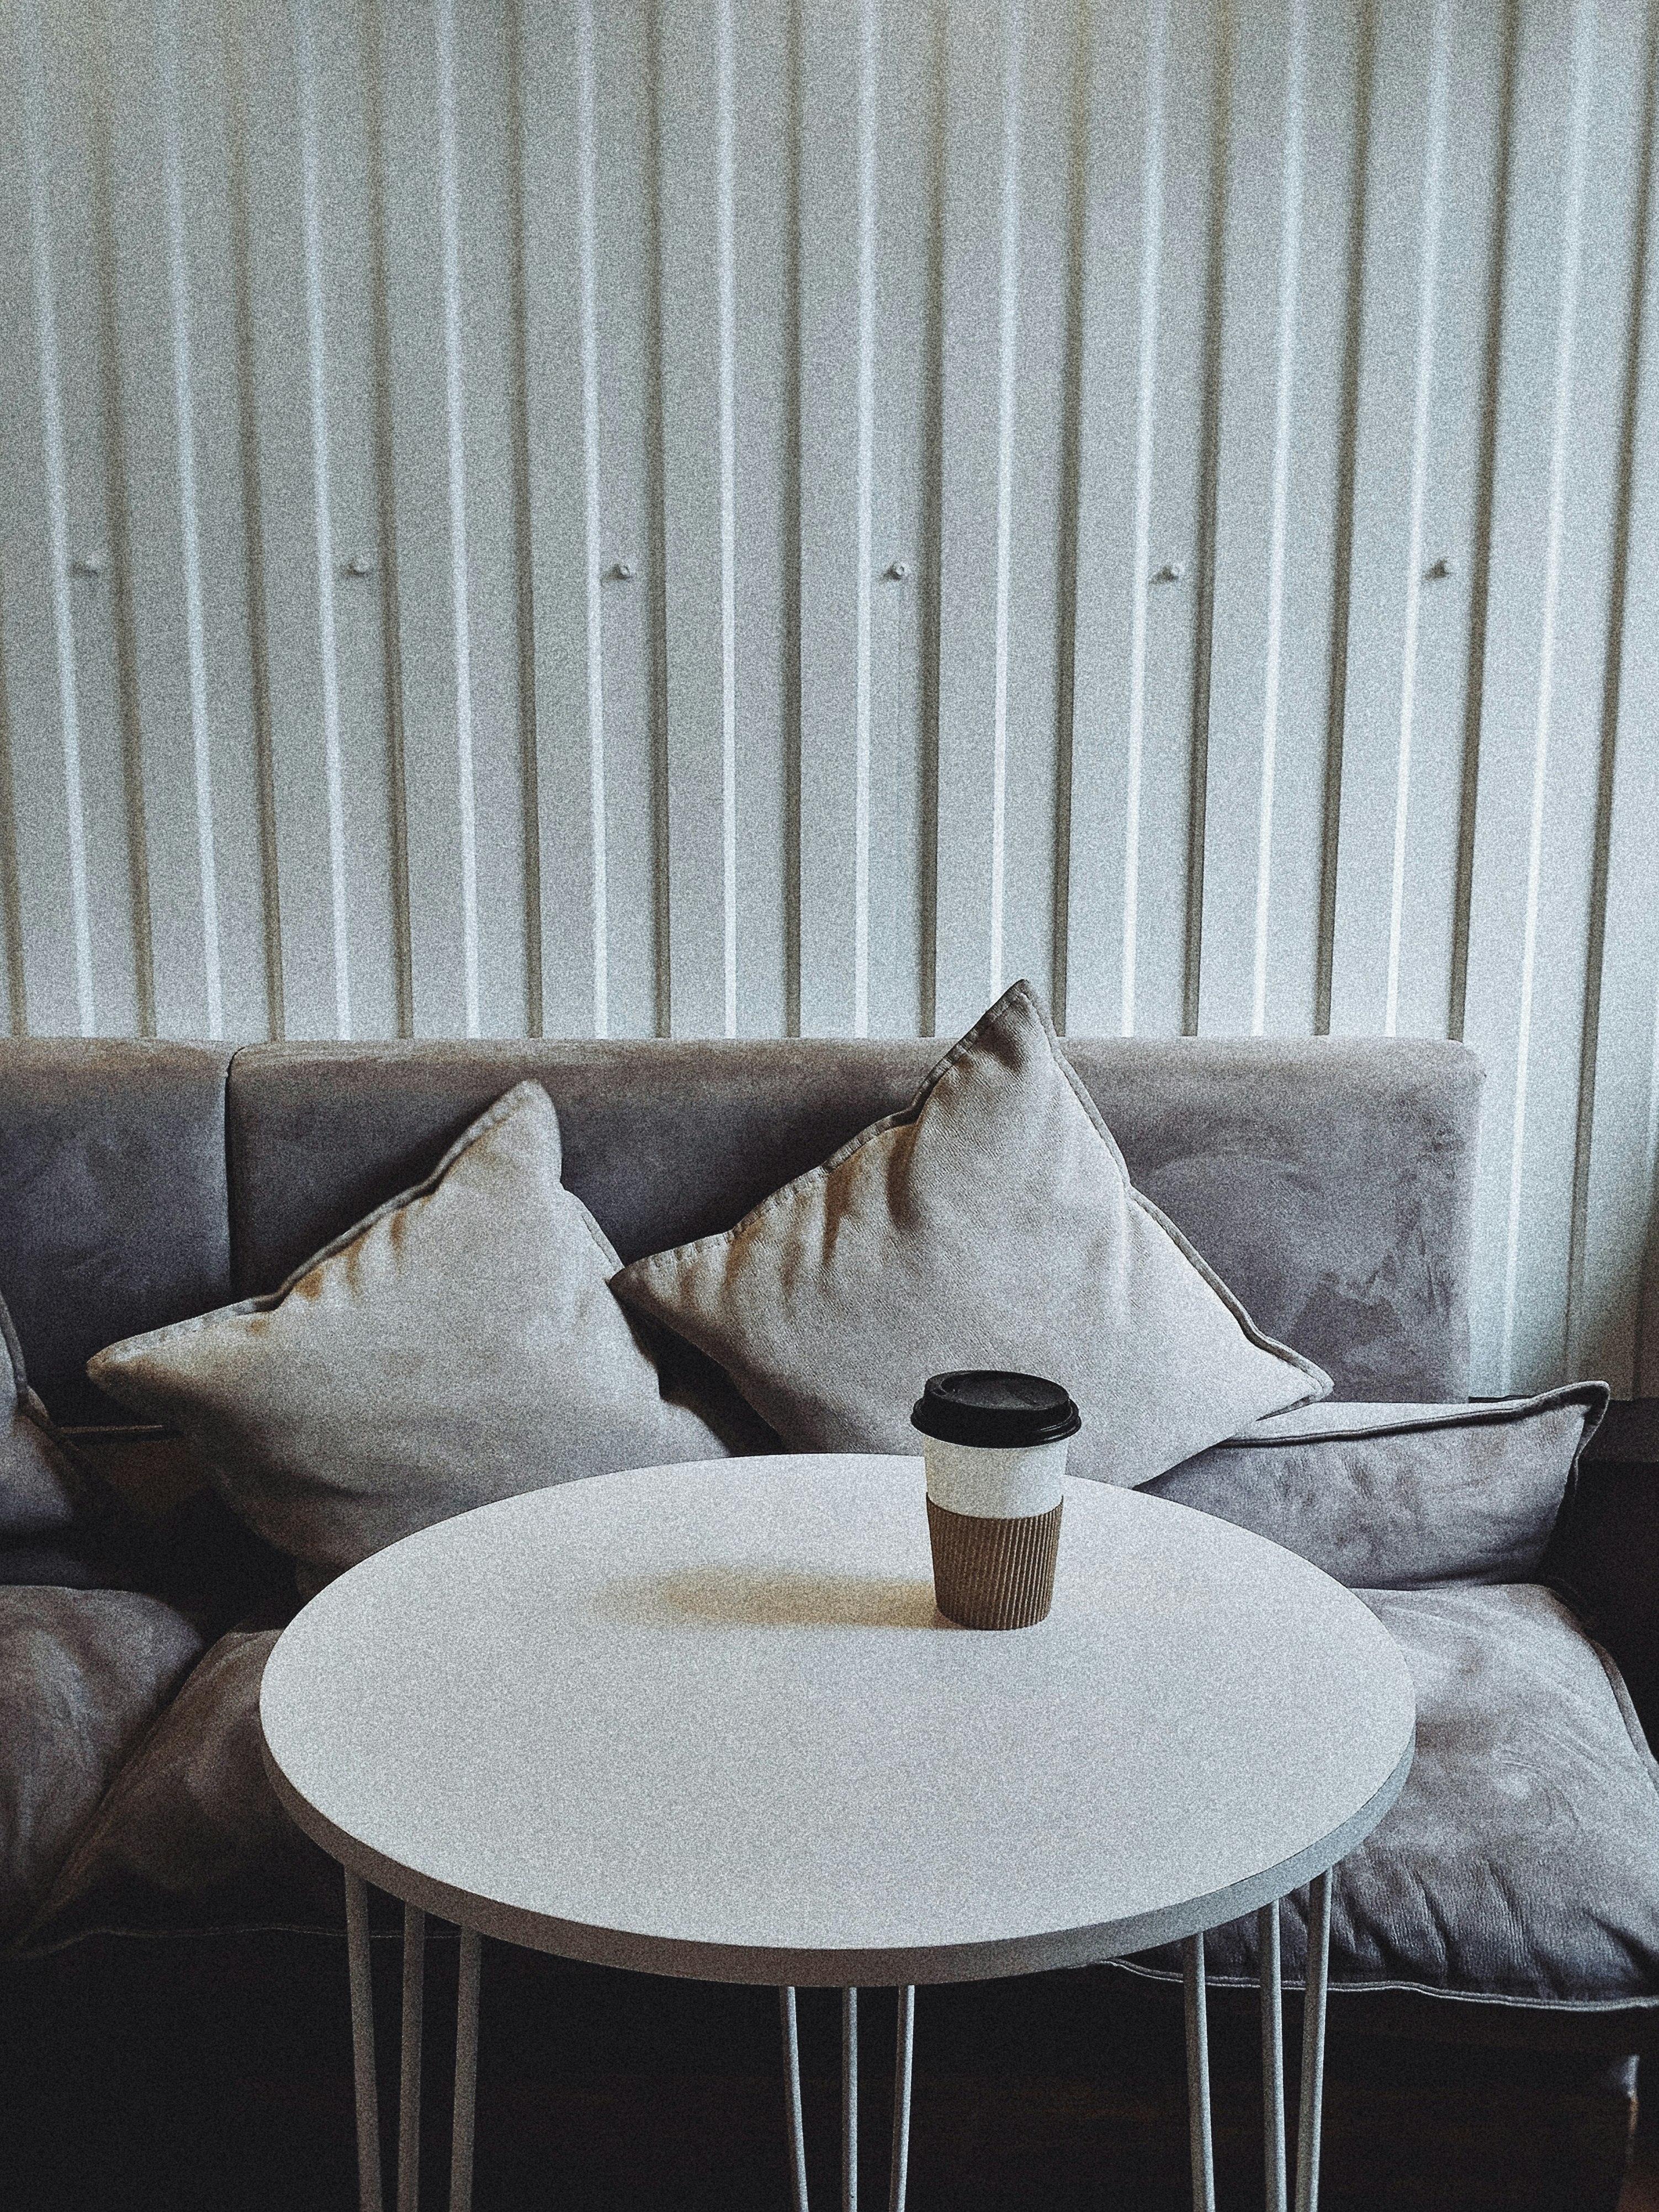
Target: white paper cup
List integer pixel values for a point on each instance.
(996, 1482)
(995, 1446)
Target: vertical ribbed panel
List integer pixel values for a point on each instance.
(1405, 223)
(696, 65)
(978, 390)
(714, 517)
(558, 153)
(838, 218)
(1614, 1311)
(1522, 765)
(51, 969)
(1121, 260)
(1267, 61)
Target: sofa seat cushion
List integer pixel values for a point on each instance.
(1518, 1866)
(191, 1835)
(1521, 1862)
(83, 1674)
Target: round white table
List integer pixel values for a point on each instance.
(705, 1720)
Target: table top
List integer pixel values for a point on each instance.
(706, 1720)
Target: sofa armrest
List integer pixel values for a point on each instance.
(1604, 1556)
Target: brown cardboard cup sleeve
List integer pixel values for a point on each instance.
(994, 1573)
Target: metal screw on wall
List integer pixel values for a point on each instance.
(1170, 573)
(360, 564)
(86, 564)
(620, 572)
(897, 571)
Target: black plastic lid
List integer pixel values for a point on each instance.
(1001, 1412)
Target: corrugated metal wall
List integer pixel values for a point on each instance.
(765, 515)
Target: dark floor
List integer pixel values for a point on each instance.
(151, 2077)
(1641, 2190)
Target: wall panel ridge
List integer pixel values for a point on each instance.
(31, 85)
(758, 517)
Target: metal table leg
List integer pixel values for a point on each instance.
(1311, 2102)
(408, 2088)
(792, 2098)
(903, 2053)
(1313, 2046)
(369, 2198)
(1198, 2077)
(466, 2074)
(904, 2046)
(849, 2100)
(1273, 2055)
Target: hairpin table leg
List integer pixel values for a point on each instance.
(849, 2100)
(1272, 2057)
(905, 2034)
(1198, 2077)
(792, 2098)
(369, 2198)
(466, 2074)
(1313, 2046)
(409, 2094)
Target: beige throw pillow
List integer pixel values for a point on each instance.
(459, 1345)
(991, 1223)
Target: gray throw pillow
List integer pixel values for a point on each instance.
(459, 1345)
(991, 1224)
(1399, 1497)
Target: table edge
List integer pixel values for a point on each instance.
(863, 1968)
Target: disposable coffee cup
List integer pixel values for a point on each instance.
(995, 1446)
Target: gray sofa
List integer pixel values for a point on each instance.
(153, 1890)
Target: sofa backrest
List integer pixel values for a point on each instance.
(115, 1214)
(1329, 1181)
